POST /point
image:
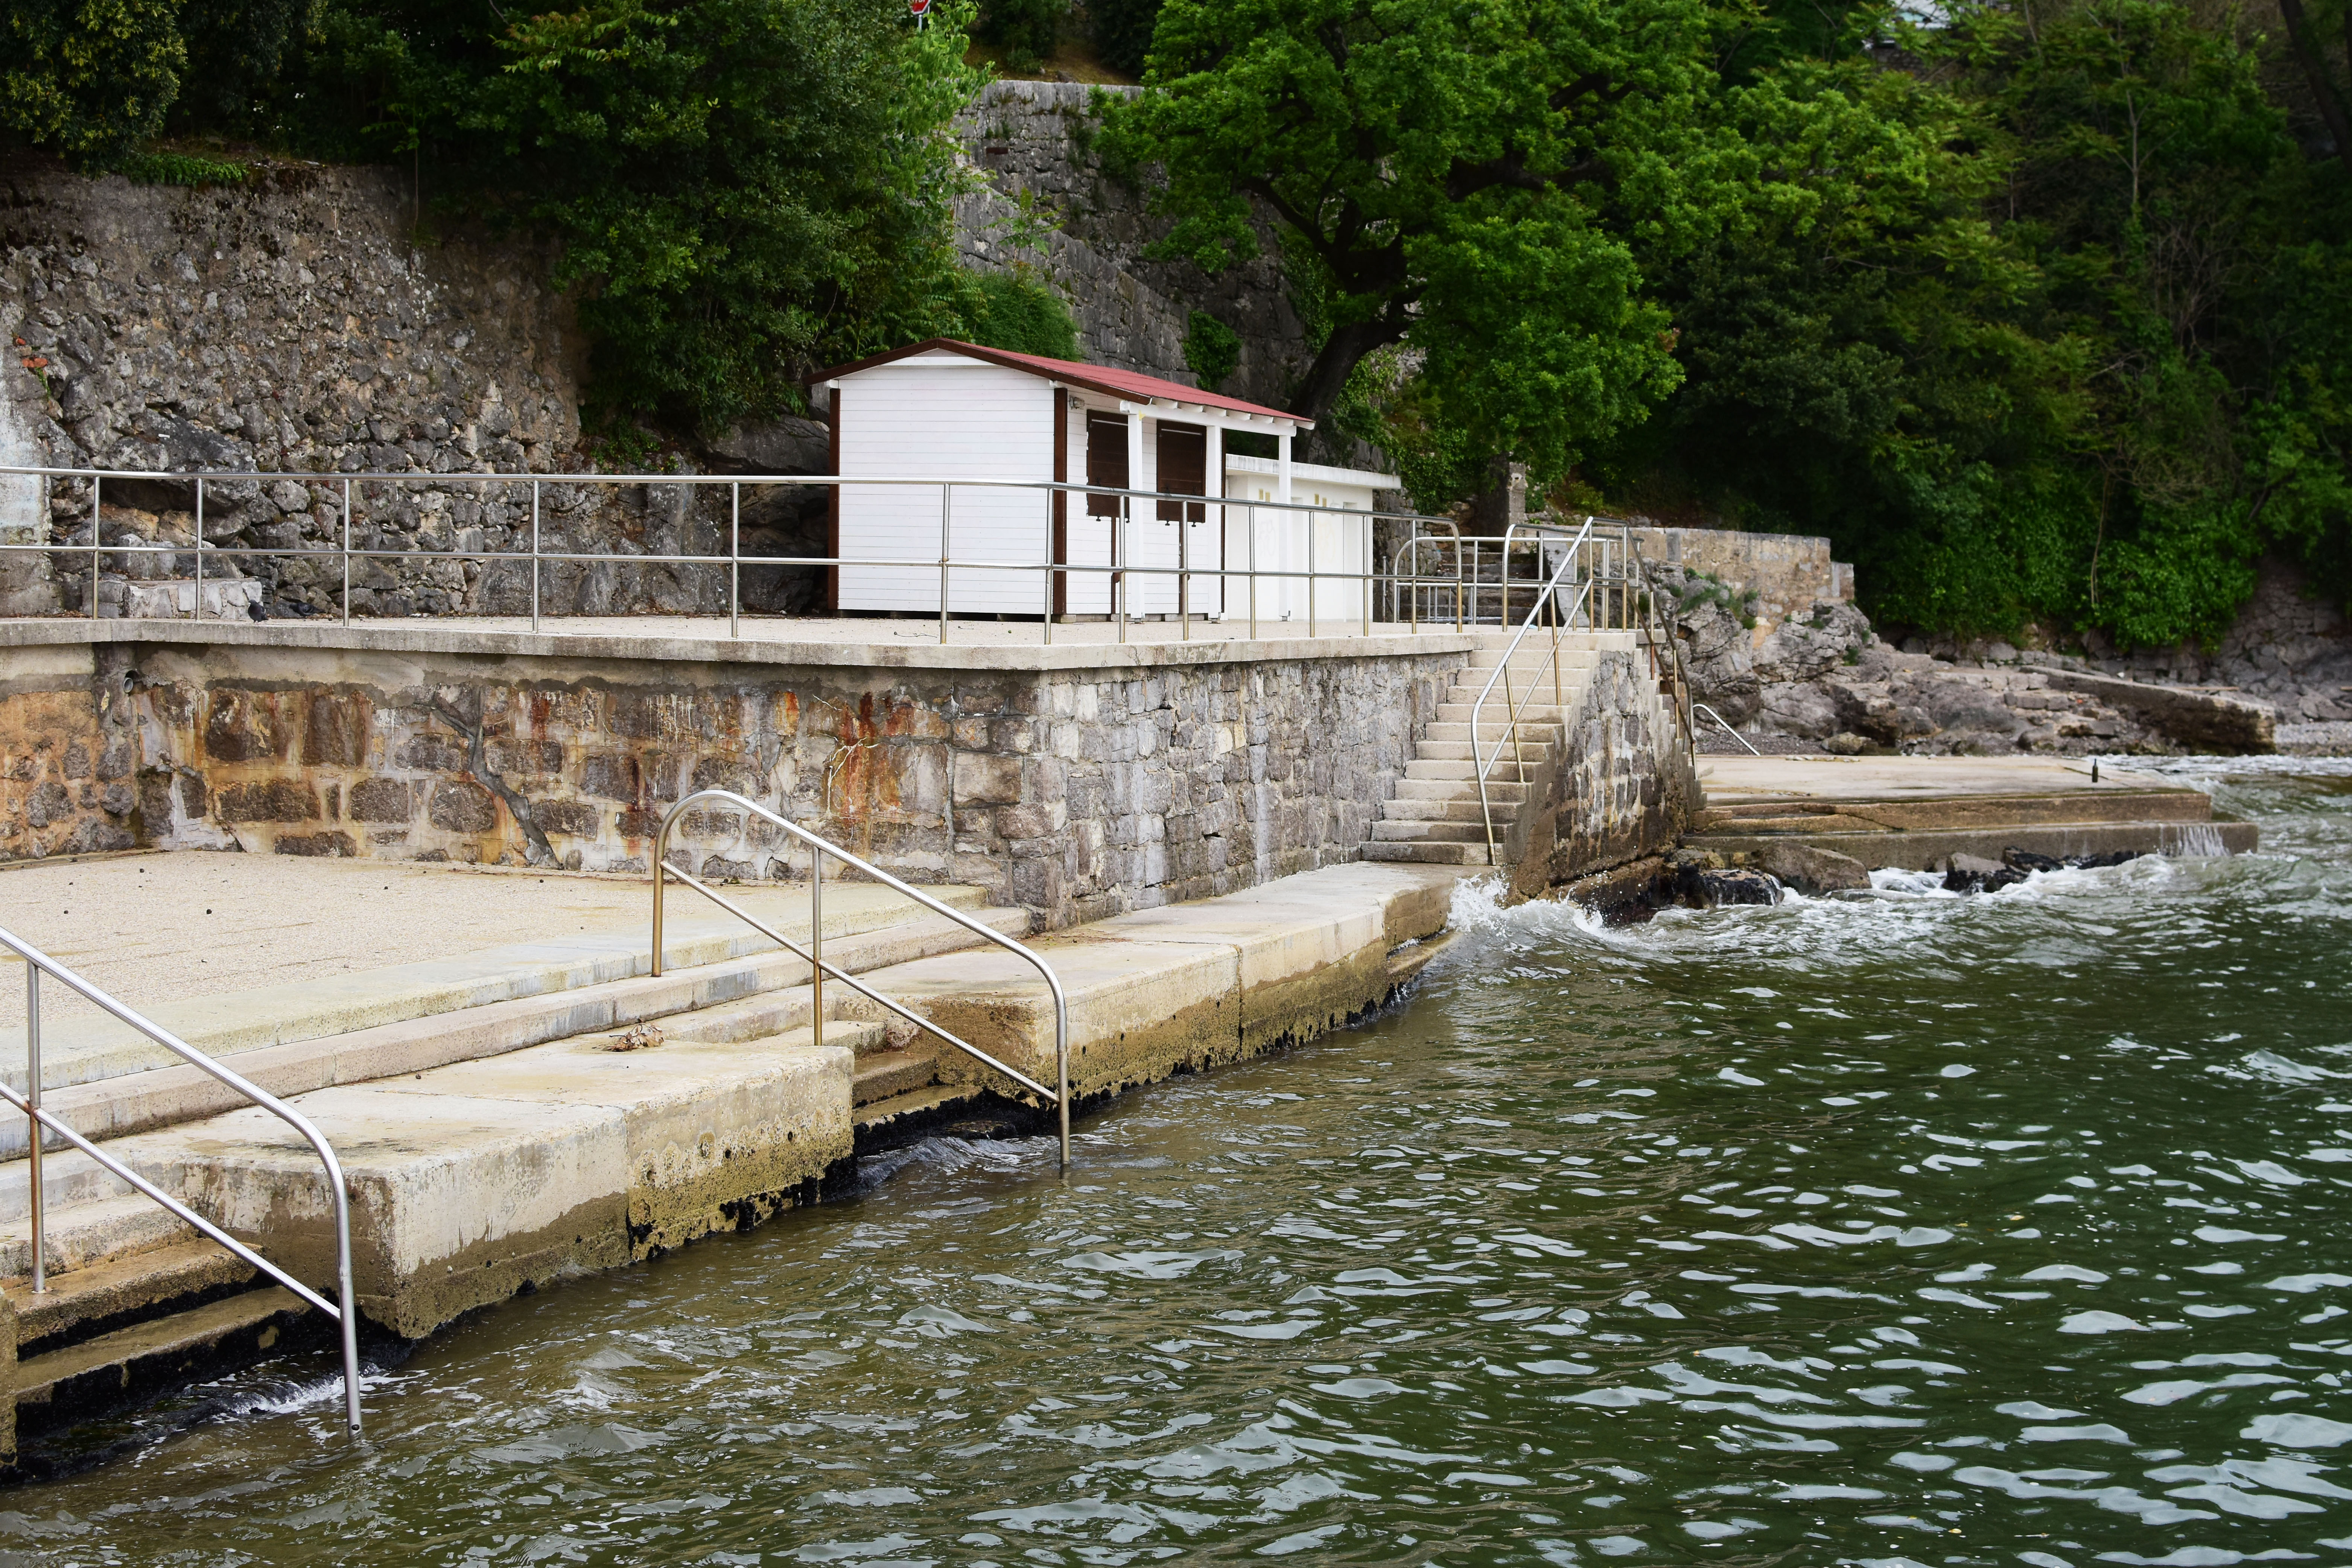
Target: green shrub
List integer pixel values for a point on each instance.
(1212, 350)
(1016, 310)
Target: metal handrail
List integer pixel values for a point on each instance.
(1569, 559)
(1662, 631)
(1413, 583)
(814, 954)
(1119, 569)
(1703, 708)
(346, 1315)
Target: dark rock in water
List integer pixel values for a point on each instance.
(1810, 869)
(1975, 874)
(1707, 889)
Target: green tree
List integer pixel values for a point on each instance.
(741, 188)
(89, 78)
(1462, 178)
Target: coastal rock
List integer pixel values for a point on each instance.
(1811, 870)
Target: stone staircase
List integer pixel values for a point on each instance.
(1435, 816)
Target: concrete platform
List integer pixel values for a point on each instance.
(1915, 813)
(538, 1150)
(327, 948)
(865, 642)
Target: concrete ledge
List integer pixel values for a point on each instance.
(160, 1096)
(91, 1046)
(469, 1183)
(1927, 851)
(767, 642)
(1959, 811)
(1183, 987)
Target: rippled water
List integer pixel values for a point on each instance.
(1902, 1228)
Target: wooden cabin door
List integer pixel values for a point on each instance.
(1089, 593)
(1186, 538)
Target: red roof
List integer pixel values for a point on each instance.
(1130, 384)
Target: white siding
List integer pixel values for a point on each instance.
(946, 416)
(1342, 544)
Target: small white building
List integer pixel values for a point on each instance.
(953, 411)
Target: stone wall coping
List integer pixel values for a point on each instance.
(761, 648)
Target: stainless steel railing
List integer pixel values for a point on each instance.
(1122, 568)
(1547, 599)
(346, 1314)
(814, 954)
(1725, 726)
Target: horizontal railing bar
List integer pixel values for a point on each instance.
(63, 1129)
(797, 951)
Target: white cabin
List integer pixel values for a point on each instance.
(952, 410)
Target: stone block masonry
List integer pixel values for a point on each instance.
(1079, 781)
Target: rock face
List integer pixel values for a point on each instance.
(1824, 681)
(296, 324)
(1048, 204)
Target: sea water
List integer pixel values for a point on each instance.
(1897, 1227)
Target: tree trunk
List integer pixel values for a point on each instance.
(2307, 53)
(1327, 378)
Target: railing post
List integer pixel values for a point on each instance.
(1252, 572)
(734, 558)
(198, 614)
(1311, 583)
(817, 944)
(1118, 543)
(661, 843)
(534, 555)
(347, 552)
(96, 532)
(944, 504)
(1053, 498)
(37, 1199)
(1183, 580)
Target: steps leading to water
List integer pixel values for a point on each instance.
(490, 1147)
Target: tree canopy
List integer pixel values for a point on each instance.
(1469, 178)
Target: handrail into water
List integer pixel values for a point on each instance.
(346, 1316)
(1569, 559)
(1703, 708)
(1662, 633)
(814, 954)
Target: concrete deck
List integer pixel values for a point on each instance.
(1915, 813)
(237, 952)
(502, 1144)
(864, 642)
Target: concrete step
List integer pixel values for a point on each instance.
(82, 1046)
(1545, 711)
(472, 1180)
(882, 1074)
(1533, 746)
(162, 1097)
(1463, 770)
(86, 1302)
(1498, 789)
(1490, 730)
(1440, 832)
(901, 1117)
(1465, 809)
(118, 1368)
(86, 1234)
(1426, 854)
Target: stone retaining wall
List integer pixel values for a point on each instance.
(1079, 793)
